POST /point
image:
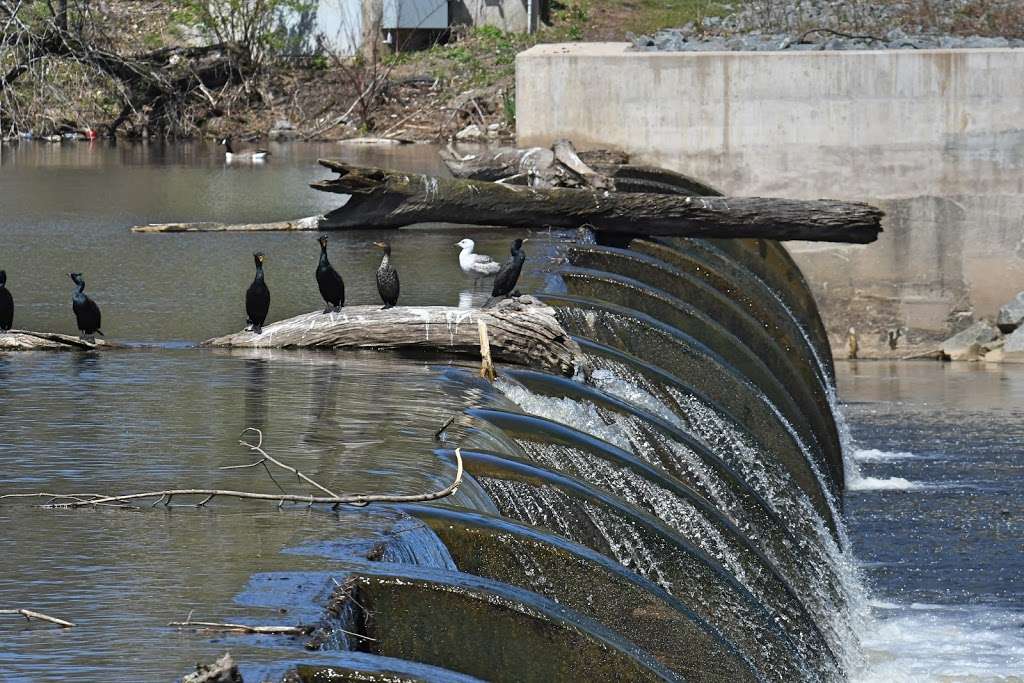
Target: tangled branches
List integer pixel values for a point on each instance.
(80, 500)
(53, 58)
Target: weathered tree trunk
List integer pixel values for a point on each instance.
(24, 340)
(307, 223)
(388, 199)
(522, 331)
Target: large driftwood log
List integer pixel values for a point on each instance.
(387, 199)
(307, 223)
(24, 340)
(522, 331)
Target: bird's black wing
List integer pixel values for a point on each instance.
(257, 303)
(6, 309)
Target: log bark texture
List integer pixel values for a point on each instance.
(383, 199)
(521, 331)
(307, 223)
(24, 340)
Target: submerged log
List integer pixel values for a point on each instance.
(24, 340)
(521, 331)
(383, 199)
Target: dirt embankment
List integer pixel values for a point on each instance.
(463, 85)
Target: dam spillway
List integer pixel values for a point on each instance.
(672, 512)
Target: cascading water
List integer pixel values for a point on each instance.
(756, 633)
(413, 542)
(820, 594)
(837, 586)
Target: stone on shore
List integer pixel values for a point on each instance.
(966, 345)
(1011, 316)
(1013, 350)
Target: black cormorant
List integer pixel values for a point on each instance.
(387, 277)
(332, 287)
(87, 313)
(506, 279)
(257, 297)
(6, 304)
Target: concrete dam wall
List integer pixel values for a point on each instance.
(934, 137)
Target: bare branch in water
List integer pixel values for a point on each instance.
(79, 500)
(30, 615)
(218, 627)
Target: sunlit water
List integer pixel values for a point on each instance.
(934, 514)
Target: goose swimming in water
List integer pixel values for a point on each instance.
(231, 155)
(332, 287)
(478, 265)
(87, 313)
(6, 304)
(257, 298)
(508, 276)
(387, 277)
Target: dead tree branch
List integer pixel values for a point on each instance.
(30, 615)
(81, 500)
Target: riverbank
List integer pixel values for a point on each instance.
(463, 85)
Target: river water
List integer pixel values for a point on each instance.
(935, 514)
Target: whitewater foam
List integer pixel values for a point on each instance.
(876, 455)
(862, 483)
(942, 643)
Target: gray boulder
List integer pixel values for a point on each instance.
(966, 345)
(1011, 316)
(1013, 349)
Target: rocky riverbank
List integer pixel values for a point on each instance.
(1002, 342)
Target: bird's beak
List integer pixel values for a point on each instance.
(525, 240)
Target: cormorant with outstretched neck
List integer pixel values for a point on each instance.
(6, 304)
(387, 277)
(332, 287)
(506, 279)
(257, 297)
(87, 313)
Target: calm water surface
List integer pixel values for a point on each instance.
(935, 515)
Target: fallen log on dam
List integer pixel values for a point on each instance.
(388, 199)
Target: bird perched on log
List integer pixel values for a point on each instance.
(387, 277)
(508, 276)
(231, 155)
(87, 313)
(6, 304)
(477, 265)
(257, 297)
(332, 287)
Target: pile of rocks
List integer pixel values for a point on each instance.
(678, 40)
(1000, 343)
(845, 25)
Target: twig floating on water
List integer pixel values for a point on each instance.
(242, 628)
(30, 615)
